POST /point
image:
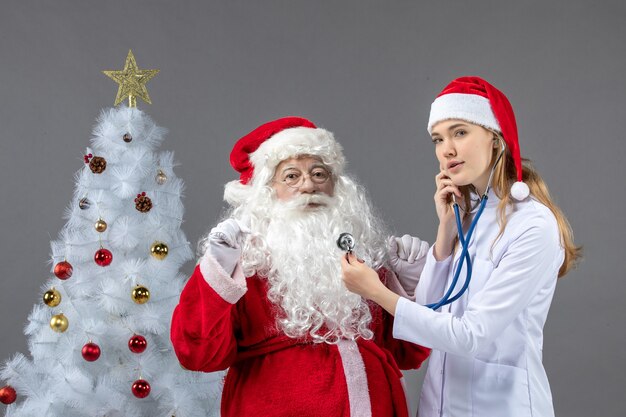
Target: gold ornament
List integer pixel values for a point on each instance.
(132, 82)
(159, 250)
(52, 298)
(160, 177)
(100, 226)
(59, 323)
(140, 294)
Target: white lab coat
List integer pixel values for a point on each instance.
(487, 346)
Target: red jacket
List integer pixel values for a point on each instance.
(230, 323)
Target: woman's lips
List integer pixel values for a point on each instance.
(455, 166)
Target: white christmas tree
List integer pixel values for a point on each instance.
(99, 341)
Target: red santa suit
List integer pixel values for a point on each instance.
(228, 322)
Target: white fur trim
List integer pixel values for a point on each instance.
(231, 289)
(298, 141)
(520, 191)
(469, 107)
(356, 379)
(236, 193)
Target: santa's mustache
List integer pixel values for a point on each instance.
(306, 201)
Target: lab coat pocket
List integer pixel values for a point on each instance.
(500, 390)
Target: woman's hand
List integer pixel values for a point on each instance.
(443, 198)
(364, 281)
(447, 222)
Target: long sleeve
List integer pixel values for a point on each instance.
(205, 321)
(522, 271)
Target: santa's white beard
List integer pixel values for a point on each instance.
(302, 265)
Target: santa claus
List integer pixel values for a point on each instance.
(267, 300)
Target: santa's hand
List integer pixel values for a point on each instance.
(359, 278)
(230, 233)
(407, 256)
(225, 241)
(244, 225)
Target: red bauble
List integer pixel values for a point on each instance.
(91, 352)
(103, 257)
(63, 270)
(7, 395)
(137, 343)
(141, 388)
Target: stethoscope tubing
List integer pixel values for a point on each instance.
(464, 240)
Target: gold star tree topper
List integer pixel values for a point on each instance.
(132, 82)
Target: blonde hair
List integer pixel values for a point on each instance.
(503, 179)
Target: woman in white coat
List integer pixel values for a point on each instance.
(487, 345)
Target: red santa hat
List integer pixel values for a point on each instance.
(256, 155)
(475, 100)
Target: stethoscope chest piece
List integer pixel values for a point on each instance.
(346, 242)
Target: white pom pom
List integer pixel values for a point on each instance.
(520, 191)
(236, 193)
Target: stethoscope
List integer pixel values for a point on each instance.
(464, 240)
(346, 241)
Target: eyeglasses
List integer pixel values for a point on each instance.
(294, 178)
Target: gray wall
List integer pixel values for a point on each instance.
(368, 71)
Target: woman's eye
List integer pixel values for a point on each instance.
(436, 140)
(460, 132)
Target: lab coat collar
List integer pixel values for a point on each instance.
(492, 200)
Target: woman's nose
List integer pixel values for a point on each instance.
(448, 148)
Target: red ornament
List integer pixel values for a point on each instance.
(7, 395)
(137, 344)
(91, 352)
(103, 257)
(87, 158)
(63, 270)
(141, 388)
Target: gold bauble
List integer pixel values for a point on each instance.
(52, 298)
(160, 177)
(159, 250)
(100, 225)
(140, 294)
(59, 323)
